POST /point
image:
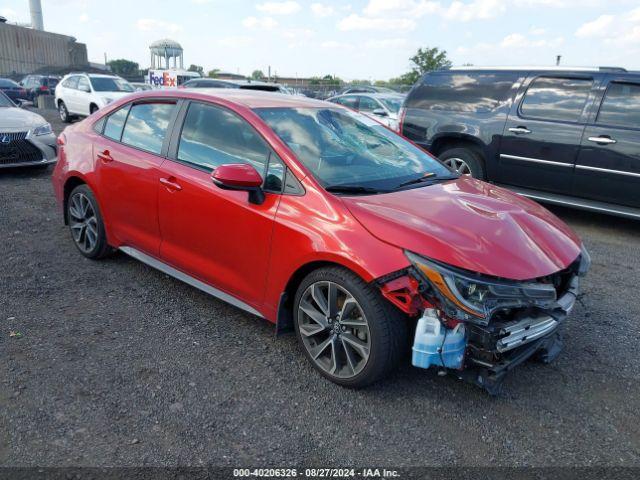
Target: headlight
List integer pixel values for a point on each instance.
(478, 295)
(43, 129)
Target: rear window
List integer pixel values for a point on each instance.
(462, 92)
(621, 105)
(554, 98)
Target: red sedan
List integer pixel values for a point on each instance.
(320, 219)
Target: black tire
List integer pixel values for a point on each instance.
(94, 250)
(63, 112)
(387, 332)
(470, 157)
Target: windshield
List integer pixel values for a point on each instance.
(4, 101)
(107, 84)
(392, 104)
(344, 148)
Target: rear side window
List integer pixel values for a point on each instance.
(463, 91)
(212, 136)
(553, 98)
(71, 82)
(621, 106)
(147, 125)
(115, 123)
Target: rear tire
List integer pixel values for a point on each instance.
(63, 112)
(86, 224)
(354, 340)
(464, 161)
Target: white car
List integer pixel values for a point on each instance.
(81, 94)
(382, 107)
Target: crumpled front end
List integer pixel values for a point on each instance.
(505, 322)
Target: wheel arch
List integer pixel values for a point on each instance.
(457, 140)
(284, 317)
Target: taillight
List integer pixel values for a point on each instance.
(61, 140)
(401, 115)
(44, 89)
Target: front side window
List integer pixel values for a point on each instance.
(553, 98)
(83, 84)
(343, 148)
(115, 123)
(4, 101)
(621, 105)
(213, 136)
(147, 125)
(392, 104)
(351, 102)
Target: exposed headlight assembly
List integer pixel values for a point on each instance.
(477, 296)
(43, 130)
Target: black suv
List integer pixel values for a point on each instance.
(37, 85)
(564, 136)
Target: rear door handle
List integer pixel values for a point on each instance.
(519, 130)
(171, 183)
(105, 156)
(602, 140)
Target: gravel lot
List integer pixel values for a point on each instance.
(120, 365)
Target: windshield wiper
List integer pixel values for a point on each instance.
(426, 178)
(353, 189)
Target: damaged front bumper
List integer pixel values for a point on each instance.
(510, 332)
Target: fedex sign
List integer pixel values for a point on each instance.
(163, 78)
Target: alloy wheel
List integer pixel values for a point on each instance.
(62, 110)
(334, 329)
(459, 165)
(83, 222)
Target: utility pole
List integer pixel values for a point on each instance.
(558, 58)
(269, 73)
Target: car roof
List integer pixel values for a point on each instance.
(247, 98)
(560, 68)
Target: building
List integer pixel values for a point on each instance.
(26, 50)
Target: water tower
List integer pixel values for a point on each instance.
(166, 49)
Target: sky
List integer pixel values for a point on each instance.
(357, 39)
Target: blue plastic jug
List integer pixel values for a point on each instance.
(434, 343)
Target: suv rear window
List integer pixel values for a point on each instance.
(621, 105)
(554, 98)
(462, 91)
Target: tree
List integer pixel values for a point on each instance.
(213, 73)
(425, 60)
(196, 68)
(257, 75)
(123, 67)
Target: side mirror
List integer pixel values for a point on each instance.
(380, 112)
(239, 176)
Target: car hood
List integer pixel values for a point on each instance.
(17, 119)
(472, 225)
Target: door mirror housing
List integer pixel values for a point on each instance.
(380, 112)
(239, 176)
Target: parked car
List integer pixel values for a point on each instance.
(383, 107)
(242, 84)
(36, 85)
(139, 86)
(307, 213)
(26, 139)
(81, 94)
(364, 89)
(564, 136)
(12, 90)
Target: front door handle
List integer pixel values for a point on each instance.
(602, 140)
(105, 156)
(171, 183)
(519, 130)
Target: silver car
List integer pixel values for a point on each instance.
(26, 139)
(382, 107)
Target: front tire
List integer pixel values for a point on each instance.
(85, 223)
(464, 161)
(347, 330)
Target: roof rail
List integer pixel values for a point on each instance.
(539, 68)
